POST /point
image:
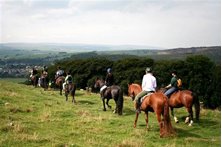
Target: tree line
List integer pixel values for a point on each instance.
(198, 73)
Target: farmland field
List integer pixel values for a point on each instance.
(34, 117)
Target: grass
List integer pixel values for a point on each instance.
(34, 117)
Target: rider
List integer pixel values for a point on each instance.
(45, 71)
(148, 86)
(109, 80)
(44, 76)
(68, 79)
(172, 87)
(34, 71)
(59, 72)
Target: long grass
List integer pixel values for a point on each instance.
(33, 117)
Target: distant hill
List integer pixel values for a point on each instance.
(214, 53)
(58, 51)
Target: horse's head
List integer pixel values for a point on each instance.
(98, 83)
(133, 90)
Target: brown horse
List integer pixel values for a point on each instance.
(70, 89)
(112, 92)
(184, 98)
(179, 99)
(59, 81)
(158, 103)
(44, 82)
(34, 80)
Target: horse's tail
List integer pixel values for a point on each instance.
(120, 102)
(196, 105)
(167, 127)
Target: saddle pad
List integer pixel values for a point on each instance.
(141, 100)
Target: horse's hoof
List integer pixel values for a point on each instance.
(191, 123)
(176, 120)
(104, 109)
(187, 120)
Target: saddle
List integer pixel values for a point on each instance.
(143, 98)
(173, 93)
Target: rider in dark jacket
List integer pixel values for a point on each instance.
(109, 80)
(172, 87)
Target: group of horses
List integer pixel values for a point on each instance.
(156, 102)
(43, 82)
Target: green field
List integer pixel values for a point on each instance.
(34, 117)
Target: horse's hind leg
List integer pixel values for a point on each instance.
(104, 107)
(107, 103)
(190, 117)
(174, 117)
(116, 108)
(73, 97)
(158, 115)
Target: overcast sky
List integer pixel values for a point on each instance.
(160, 23)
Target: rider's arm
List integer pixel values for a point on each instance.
(168, 86)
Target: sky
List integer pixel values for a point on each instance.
(160, 23)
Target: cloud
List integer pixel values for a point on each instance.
(170, 23)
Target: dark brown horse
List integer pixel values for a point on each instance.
(112, 92)
(70, 89)
(59, 81)
(184, 98)
(44, 82)
(34, 80)
(158, 103)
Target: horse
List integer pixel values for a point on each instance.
(112, 92)
(43, 82)
(59, 81)
(34, 80)
(158, 103)
(154, 102)
(70, 88)
(184, 98)
(179, 99)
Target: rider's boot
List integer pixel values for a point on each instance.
(137, 107)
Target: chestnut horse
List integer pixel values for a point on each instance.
(112, 92)
(59, 81)
(155, 102)
(179, 99)
(70, 89)
(184, 98)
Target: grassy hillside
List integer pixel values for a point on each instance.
(33, 117)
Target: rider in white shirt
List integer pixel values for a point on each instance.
(148, 86)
